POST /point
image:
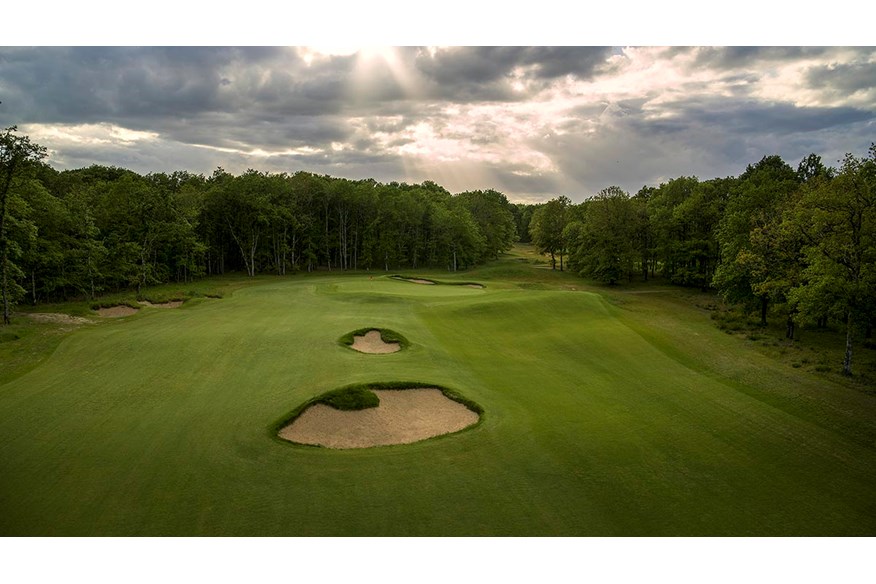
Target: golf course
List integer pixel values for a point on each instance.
(605, 411)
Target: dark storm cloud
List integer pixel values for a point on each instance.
(485, 64)
(748, 116)
(843, 77)
(483, 73)
(80, 85)
(707, 137)
(736, 57)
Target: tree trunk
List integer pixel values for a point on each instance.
(33, 288)
(847, 360)
(553, 261)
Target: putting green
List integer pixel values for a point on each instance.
(596, 422)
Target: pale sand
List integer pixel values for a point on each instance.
(55, 317)
(478, 286)
(116, 311)
(416, 280)
(171, 304)
(403, 416)
(371, 342)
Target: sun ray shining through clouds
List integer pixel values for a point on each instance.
(533, 122)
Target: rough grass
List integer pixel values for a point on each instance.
(816, 350)
(609, 411)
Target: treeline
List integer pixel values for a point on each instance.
(800, 243)
(82, 232)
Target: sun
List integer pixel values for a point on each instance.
(362, 53)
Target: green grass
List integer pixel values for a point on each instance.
(607, 411)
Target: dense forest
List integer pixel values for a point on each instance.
(800, 243)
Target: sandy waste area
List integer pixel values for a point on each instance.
(403, 416)
(55, 317)
(171, 304)
(371, 342)
(116, 311)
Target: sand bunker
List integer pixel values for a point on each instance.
(478, 286)
(403, 416)
(371, 342)
(116, 311)
(171, 304)
(55, 317)
(415, 280)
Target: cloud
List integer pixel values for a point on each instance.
(466, 74)
(843, 77)
(533, 122)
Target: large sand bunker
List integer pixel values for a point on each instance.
(403, 416)
(116, 311)
(371, 342)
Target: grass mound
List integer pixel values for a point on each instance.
(350, 398)
(386, 335)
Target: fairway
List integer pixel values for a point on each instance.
(597, 420)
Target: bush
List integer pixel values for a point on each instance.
(386, 335)
(350, 398)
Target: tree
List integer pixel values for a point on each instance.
(16, 153)
(546, 228)
(837, 222)
(602, 245)
(492, 212)
(755, 202)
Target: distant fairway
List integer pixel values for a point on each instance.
(601, 418)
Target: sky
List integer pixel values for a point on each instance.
(531, 122)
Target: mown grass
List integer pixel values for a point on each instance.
(607, 411)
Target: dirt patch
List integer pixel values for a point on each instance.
(116, 311)
(371, 342)
(171, 304)
(55, 317)
(403, 416)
